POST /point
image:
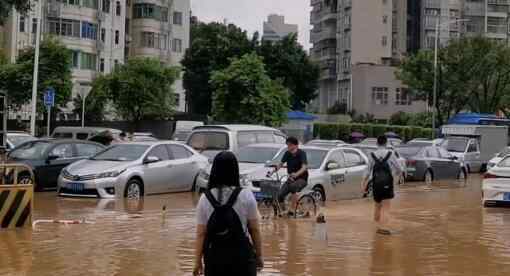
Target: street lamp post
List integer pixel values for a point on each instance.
(434, 93)
(36, 70)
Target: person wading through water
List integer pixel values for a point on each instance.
(383, 171)
(228, 234)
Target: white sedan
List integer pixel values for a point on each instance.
(496, 184)
(494, 161)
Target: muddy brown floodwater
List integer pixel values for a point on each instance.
(440, 232)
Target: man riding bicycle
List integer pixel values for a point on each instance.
(297, 170)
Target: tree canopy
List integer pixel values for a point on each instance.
(6, 6)
(244, 93)
(140, 89)
(54, 71)
(473, 74)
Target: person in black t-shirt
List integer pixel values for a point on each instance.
(297, 170)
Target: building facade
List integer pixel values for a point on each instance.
(103, 33)
(276, 29)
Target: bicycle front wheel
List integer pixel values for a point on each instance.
(306, 206)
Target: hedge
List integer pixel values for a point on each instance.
(342, 131)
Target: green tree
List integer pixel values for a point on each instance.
(244, 93)
(422, 119)
(54, 71)
(400, 119)
(286, 60)
(140, 89)
(6, 6)
(212, 47)
(338, 108)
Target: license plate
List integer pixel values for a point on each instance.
(76, 187)
(506, 196)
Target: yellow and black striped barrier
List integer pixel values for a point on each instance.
(16, 198)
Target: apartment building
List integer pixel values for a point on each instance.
(104, 33)
(276, 29)
(356, 43)
(487, 17)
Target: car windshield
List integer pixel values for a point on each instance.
(420, 143)
(505, 163)
(504, 152)
(121, 152)
(456, 145)
(208, 140)
(407, 152)
(315, 157)
(17, 140)
(31, 150)
(256, 154)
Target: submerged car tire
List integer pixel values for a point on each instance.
(134, 189)
(319, 194)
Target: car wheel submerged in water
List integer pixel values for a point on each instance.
(134, 189)
(429, 177)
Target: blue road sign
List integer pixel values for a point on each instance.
(49, 97)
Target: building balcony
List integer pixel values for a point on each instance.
(328, 73)
(499, 2)
(324, 54)
(322, 35)
(474, 9)
(497, 31)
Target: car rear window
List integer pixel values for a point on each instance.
(63, 135)
(409, 151)
(209, 140)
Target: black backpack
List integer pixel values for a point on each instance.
(382, 178)
(226, 243)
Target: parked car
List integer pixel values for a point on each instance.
(336, 173)
(498, 157)
(81, 133)
(373, 141)
(496, 184)
(432, 163)
(419, 142)
(48, 157)
(143, 137)
(212, 139)
(16, 138)
(475, 145)
(183, 129)
(251, 159)
(133, 170)
(326, 143)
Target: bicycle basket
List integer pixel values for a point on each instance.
(270, 188)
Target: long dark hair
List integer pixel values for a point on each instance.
(224, 172)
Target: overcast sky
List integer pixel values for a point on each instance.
(250, 14)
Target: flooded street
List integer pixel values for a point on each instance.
(444, 231)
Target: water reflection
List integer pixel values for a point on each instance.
(439, 232)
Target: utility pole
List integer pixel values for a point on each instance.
(33, 116)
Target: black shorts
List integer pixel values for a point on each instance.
(292, 187)
(385, 194)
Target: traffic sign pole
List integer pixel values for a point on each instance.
(49, 101)
(48, 127)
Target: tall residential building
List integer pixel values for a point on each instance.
(276, 29)
(433, 12)
(103, 33)
(355, 43)
(487, 17)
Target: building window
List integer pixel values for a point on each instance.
(106, 6)
(21, 24)
(177, 18)
(403, 97)
(118, 8)
(177, 45)
(34, 25)
(65, 27)
(88, 61)
(90, 4)
(75, 58)
(73, 2)
(116, 64)
(117, 37)
(101, 65)
(385, 19)
(177, 98)
(380, 95)
(384, 40)
(150, 11)
(88, 30)
(103, 35)
(154, 40)
(147, 40)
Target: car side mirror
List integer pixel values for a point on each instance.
(151, 159)
(52, 157)
(269, 164)
(332, 166)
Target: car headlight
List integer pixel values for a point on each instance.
(109, 174)
(204, 175)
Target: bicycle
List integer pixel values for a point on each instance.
(267, 191)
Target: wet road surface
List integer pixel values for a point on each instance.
(444, 231)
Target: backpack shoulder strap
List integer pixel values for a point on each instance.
(376, 159)
(388, 155)
(233, 198)
(211, 199)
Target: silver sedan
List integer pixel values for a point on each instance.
(133, 170)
